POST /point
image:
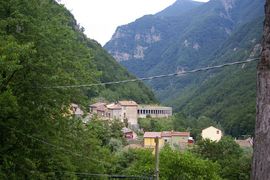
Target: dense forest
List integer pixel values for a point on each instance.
(42, 46)
(187, 36)
(42, 50)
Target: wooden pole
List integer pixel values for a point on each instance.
(157, 158)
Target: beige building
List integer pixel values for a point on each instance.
(114, 111)
(176, 140)
(212, 133)
(98, 109)
(129, 112)
(154, 111)
(126, 111)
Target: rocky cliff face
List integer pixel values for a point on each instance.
(142, 40)
(211, 33)
(134, 41)
(185, 39)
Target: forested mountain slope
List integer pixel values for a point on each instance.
(112, 71)
(205, 35)
(226, 95)
(41, 47)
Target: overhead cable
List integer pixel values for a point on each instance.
(156, 77)
(55, 146)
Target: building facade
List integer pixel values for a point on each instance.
(128, 111)
(176, 140)
(154, 111)
(149, 139)
(212, 133)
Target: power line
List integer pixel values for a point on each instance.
(156, 77)
(55, 146)
(105, 175)
(80, 155)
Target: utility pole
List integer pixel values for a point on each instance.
(261, 153)
(157, 158)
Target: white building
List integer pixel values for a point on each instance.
(154, 111)
(128, 111)
(212, 133)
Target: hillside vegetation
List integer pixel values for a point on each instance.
(41, 47)
(207, 34)
(43, 50)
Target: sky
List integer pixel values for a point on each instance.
(100, 18)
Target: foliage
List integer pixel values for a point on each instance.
(199, 37)
(42, 46)
(176, 165)
(178, 122)
(112, 71)
(173, 164)
(156, 124)
(235, 164)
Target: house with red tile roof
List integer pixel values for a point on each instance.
(176, 140)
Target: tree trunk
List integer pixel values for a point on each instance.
(261, 155)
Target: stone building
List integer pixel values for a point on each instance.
(154, 111)
(128, 111)
(98, 108)
(125, 111)
(176, 140)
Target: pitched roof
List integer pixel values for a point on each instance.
(180, 133)
(152, 134)
(128, 103)
(166, 134)
(101, 108)
(113, 106)
(98, 104)
(211, 127)
(174, 133)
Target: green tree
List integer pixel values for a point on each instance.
(176, 165)
(226, 152)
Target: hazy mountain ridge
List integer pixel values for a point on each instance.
(199, 37)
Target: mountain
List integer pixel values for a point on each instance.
(227, 95)
(198, 37)
(178, 8)
(46, 64)
(112, 71)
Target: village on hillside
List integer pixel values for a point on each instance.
(128, 112)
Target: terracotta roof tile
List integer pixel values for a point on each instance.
(166, 134)
(152, 134)
(98, 104)
(114, 106)
(128, 103)
(180, 133)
